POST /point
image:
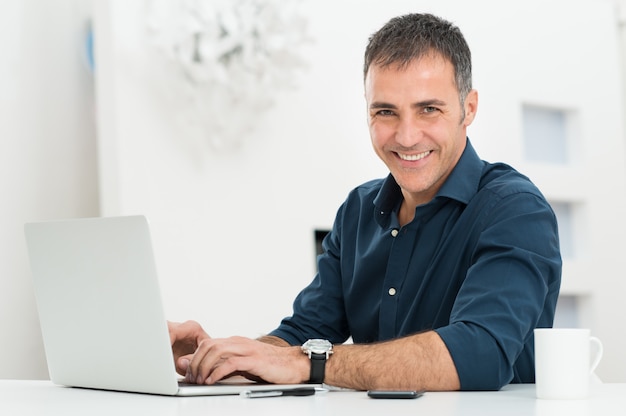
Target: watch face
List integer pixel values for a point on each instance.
(317, 346)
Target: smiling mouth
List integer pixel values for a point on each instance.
(413, 158)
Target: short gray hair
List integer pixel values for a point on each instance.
(406, 38)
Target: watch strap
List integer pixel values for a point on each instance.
(318, 368)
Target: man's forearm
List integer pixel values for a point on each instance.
(272, 340)
(412, 363)
(415, 362)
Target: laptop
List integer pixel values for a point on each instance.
(100, 309)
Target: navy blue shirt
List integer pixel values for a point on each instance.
(479, 264)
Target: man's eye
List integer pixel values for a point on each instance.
(430, 109)
(384, 112)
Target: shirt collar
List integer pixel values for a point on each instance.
(463, 182)
(461, 185)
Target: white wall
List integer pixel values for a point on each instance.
(233, 230)
(47, 157)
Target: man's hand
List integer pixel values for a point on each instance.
(185, 338)
(216, 359)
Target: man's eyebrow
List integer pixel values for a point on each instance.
(428, 103)
(420, 104)
(378, 104)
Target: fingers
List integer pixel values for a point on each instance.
(217, 358)
(185, 338)
(204, 361)
(188, 331)
(227, 368)
(182, 364)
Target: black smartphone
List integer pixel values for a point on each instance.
(394, 394)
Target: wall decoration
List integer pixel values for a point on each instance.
(230, 58)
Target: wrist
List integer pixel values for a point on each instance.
(303, 366)
(318, 351)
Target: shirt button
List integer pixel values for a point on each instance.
(394, 232)
(392, 291)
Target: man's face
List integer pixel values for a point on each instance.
(416, 123)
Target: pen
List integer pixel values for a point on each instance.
(302, 391)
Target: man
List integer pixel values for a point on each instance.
(439, 273)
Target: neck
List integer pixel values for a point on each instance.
(406, 213)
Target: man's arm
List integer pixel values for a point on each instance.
(272, 340)
(415, 362)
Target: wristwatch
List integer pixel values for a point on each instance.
(318, 351)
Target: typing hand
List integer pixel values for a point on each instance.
(216, 359)
(185, 338)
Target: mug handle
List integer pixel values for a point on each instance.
(599, 350)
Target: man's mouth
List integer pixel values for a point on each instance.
(413, 158)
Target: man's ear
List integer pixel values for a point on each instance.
(470, 107)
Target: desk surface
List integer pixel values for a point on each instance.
(42, 397)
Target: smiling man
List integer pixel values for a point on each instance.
(439, 272)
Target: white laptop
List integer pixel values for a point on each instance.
(100, 308)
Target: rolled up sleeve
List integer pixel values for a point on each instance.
(511, 288)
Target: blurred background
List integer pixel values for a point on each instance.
(238, 128)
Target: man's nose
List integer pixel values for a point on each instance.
(409, 132)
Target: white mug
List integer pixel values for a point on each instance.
(563, 364)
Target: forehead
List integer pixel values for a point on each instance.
(430, 72)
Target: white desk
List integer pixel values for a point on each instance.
(44, 398)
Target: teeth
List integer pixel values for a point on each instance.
(413, 158)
